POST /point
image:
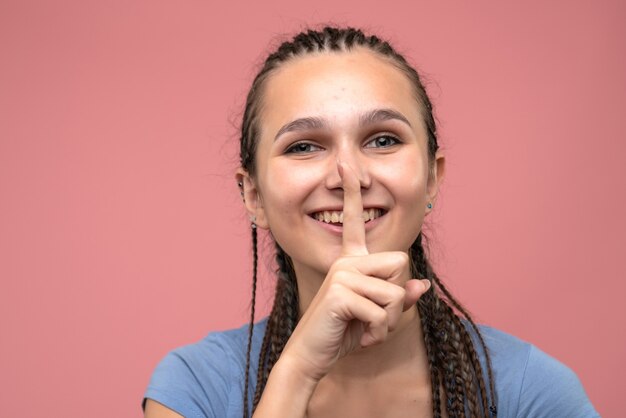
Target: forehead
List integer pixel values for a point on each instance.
(337, 86)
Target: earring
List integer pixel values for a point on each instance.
(253, 222)
(240, 185)
(429, 205)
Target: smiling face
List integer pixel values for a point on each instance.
(357, 108)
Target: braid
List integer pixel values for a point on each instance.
(457, 380)
(453, 343)
(281, 322)
(255, 258)
(478, 334)
(289, 305)
(431, 349)
(263, 355)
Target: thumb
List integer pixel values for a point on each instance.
(414, 289)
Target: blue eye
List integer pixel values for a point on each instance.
(302, 148)
(382, 141)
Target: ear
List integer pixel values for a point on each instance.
(435, 178)
(251, 198)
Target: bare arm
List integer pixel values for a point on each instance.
(157, 410)
(287, 392)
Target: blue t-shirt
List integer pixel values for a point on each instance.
(205, 379)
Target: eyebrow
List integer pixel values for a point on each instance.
(368, 118)
(302, 124)
(381, 115)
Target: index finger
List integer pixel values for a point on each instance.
(353, 242)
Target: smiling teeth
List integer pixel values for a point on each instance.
(337, 217)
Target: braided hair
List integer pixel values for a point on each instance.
(459, 385)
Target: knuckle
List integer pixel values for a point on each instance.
(380, 317)
(394, 317)
(392, 326)
(336, 298)
(379, 336)
(398, 293)
(340, 276)
(335, 289)
(399, 258)
(342, 263)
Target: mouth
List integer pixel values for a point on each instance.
(336, 217)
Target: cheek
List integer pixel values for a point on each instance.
(407, 180)
(286, 188)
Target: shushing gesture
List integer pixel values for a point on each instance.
(361, 299)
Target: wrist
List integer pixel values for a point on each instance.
(297, 371)
(287, 392)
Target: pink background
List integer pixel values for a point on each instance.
(121, 231)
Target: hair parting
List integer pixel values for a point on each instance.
(459, 386)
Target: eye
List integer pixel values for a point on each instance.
(302, 148)
(382, 141)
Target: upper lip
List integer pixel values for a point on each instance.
(340, 208)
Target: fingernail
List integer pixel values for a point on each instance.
(427, 284)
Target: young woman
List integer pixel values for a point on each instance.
(340, 162)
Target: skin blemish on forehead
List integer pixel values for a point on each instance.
(339, 82)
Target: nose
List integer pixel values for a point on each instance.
(353, 157)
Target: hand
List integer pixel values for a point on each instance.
(361, 299)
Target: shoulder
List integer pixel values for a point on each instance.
(206, 378)
(530, 382)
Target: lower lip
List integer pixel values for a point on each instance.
(337, 229)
